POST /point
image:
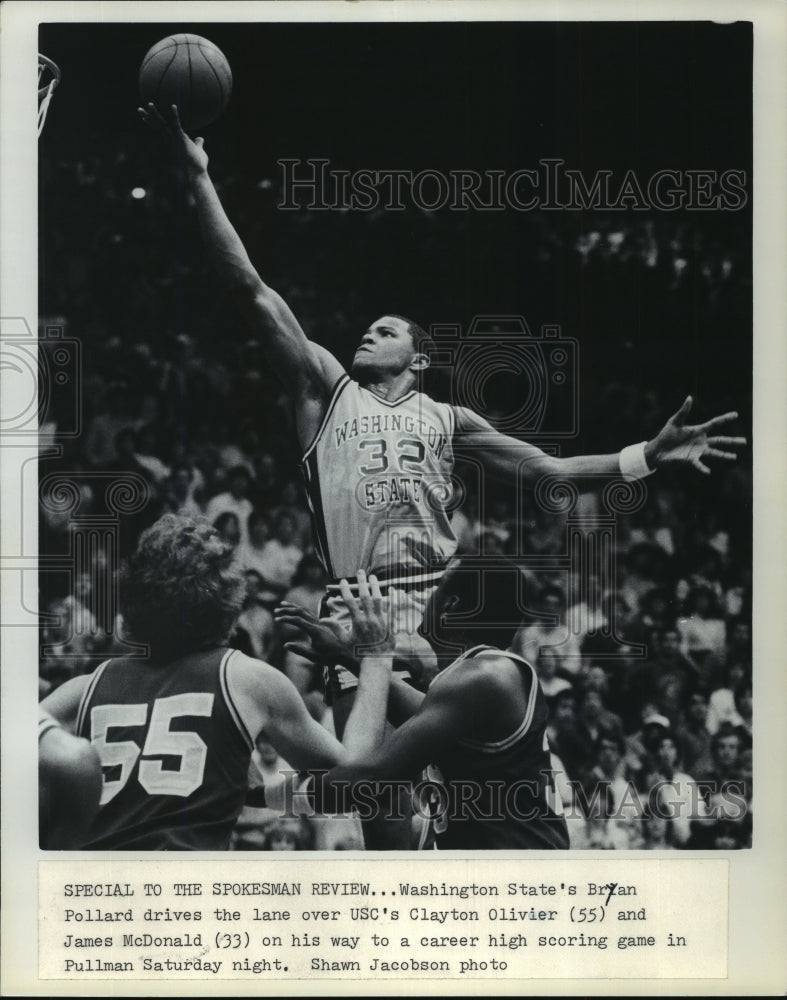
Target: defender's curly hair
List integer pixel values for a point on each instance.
(181, 590)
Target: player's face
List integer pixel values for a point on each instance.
(385, 349)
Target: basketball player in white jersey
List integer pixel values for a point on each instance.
(377, 454)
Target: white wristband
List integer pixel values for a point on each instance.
(633, 463)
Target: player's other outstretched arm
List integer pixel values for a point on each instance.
(678, 443)
(308, 370)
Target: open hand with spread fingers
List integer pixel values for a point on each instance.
(681, 443)
(192, 150)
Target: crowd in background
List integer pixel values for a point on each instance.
(647, 671)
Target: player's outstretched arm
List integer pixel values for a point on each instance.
(308, 370)
(677, 444)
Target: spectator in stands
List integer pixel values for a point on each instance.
(721, 705)
(608, 800)
(726, 782)
(725, 762)
(254, 631)
(705, 572)
(656, 611)
(656, 832)
(180, 492)
(668, 667)
(281, 554)
(692, 732)
(531, 639)
(645, 566)
(125, 457)
(102, 433)
(702, 629)
(293, 501)
(650, 527)
(547, 666)
(561, 734)
(257, 535)
(744, 705)
(641, 745)
(678, 801)
(234, 500)
(594, 717)
(291, 834)
(739, 644)
(69, 641)
(267, 479)
(228, 527)
(308, 585)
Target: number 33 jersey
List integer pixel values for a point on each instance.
(378, 479)
(174, 753)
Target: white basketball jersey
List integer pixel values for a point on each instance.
(378, 479)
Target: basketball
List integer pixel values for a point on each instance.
(191, 72)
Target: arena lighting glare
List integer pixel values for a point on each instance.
(138, 193)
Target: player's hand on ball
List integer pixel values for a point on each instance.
(681, 443)
(371, 628)
(330, 640)
(192, 150)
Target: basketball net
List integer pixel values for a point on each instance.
(48, 79)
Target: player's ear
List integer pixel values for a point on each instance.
(419, 363)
